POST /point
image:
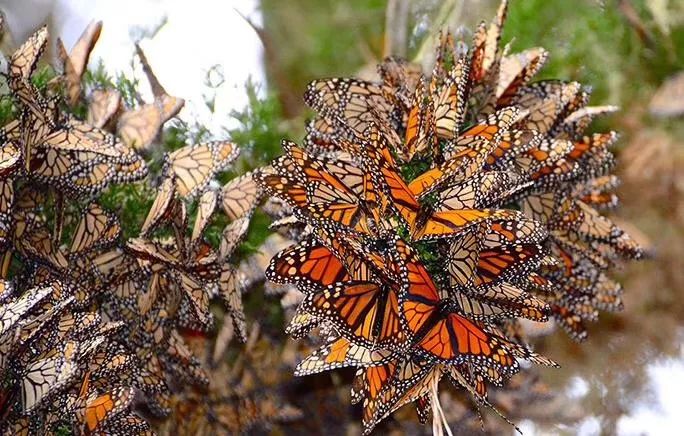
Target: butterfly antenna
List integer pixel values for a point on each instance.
(498, 412)
(479, 417)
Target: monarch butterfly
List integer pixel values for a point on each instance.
(484, 189)
(339, 353)
(401, 77)
(572, 221)
(570, 322)
(450, 223)
(74, 63)
(12, 311)
(290, 164)
(184, 274)
(480, 257)
(152, 251)
(468, 153)
(512, 144)
(444, 57)
(585, 220)
(86, 328)
(330, 196)
(596, 192)
(193, 166)
(484, 62)
(301, 324)
(308, 264)
(387, 178)
(418, 390)
(24, 60)
(364, 312)
(542, 116)
(45, 375)
(607, 294)
(127, 424)
(150, 380)
(321, 135)
(35, 241)
(157, 89)
(348, 99)
(139, 127)
(103, 105)
(95, 229)
(205, 209)
(103, 408)
(38, 117)
(592, 152)
(240, 196)
(441, 332)
(183, 362)
(547, 164)
(506, 262)
(232, 236)
(366, 309)
(161, 207)
(75, 135)
(113, 265)
(601, 255)
(569, 95)
(369, 382)
(110, 362)
(515, 71)
(198, 297)
(383, 388)
(484, 55)
(452, 97)
(6, 203)
(10, 154)
(80, 163)
(28, 328)
(231, 284)
(576, 123)
(501, 300)
(423, 408)
(418, 135)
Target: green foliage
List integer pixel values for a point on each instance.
(6, 109)
(309, 39)
(42, 77)
(259, 132)
(130, 202)
(258, 232)
(414, 168)
(98, 77)
(128, 89)
(64, 430)
(594, 44)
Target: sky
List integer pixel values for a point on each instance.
(199, 34)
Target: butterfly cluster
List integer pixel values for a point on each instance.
(93, 325)
(436, 211)
(244, 394)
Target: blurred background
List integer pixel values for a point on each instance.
(242, 66)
